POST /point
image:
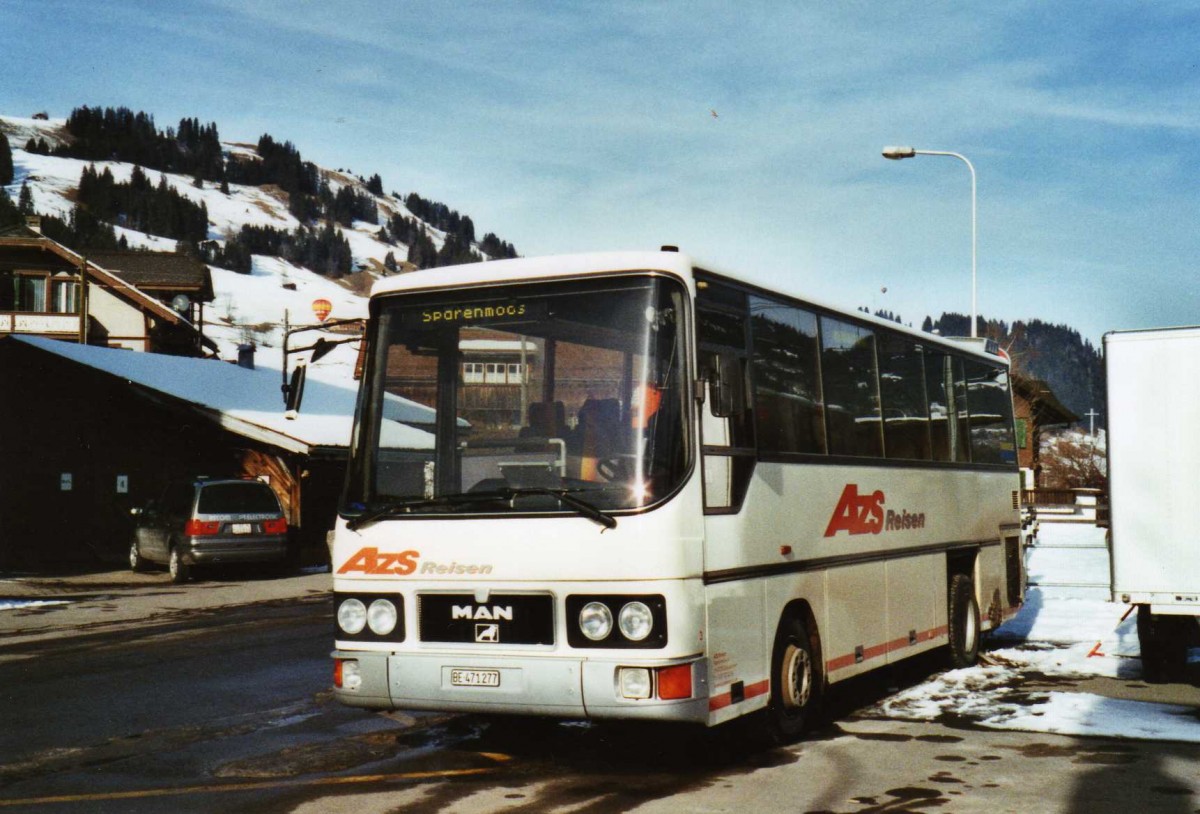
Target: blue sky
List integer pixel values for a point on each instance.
(567, 126)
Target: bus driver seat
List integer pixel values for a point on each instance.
(599, 428)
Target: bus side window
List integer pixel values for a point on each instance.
(726, 384)
(726, 422)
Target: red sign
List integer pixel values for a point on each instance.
(864, 514)
(373, 561)
(857, 514)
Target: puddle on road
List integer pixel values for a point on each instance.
(545, 764)
(1099, 754)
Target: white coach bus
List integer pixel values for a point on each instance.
(627, 486)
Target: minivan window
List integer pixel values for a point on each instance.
(237, 498)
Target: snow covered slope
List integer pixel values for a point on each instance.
(249, 308)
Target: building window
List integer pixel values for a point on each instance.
(492, 373)
(29, 292)
(64, 296)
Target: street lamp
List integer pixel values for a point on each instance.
(898, 153)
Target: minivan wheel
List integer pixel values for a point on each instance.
(136, 561)
(178, 568)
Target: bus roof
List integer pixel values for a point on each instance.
(680, 264)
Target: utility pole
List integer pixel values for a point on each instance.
(1091, 414)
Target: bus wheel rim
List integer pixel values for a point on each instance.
(797, 677)
(970, 630)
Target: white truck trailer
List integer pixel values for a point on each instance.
(1154, 483)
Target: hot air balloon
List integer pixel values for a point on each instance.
(321, 308)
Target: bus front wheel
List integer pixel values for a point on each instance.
(964, 622)
(795, 682)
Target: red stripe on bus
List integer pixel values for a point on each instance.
(725, 699)
(875, 651)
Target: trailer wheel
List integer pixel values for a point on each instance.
(964, 622)
(1163, 643)
(795, 682)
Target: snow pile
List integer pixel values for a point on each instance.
(22, 604)
(1012, 689)
(1056, 639)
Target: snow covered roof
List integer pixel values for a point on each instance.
(248, 402)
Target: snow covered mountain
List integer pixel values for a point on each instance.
(248, 307)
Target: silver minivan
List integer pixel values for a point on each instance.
(209, 522)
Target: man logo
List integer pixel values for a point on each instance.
(482, 612)
(487, 634)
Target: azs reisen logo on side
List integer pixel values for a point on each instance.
(865, 514)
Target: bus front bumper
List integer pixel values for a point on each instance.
(553, 686)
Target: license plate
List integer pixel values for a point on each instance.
(475, 678)
(243, 528)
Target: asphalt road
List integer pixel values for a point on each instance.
(207, 703)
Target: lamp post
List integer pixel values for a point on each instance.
(898, 153)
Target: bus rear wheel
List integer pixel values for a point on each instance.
(964, 622)
(795, 682)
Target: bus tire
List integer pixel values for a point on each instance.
(795, 682)
(963, 622)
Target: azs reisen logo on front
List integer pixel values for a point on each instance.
(864, 514)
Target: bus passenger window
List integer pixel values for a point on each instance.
(905, 410)
(946, 389)
(787, 384)
(849, 373)
(991, 414)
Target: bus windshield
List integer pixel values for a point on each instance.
(563, 397)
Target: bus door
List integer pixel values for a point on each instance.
(726, 425)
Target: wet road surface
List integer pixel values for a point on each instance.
(227, 709)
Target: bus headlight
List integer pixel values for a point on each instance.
(381, 617)
(635, 682)
(595, 621)
(636, 621)
(352, 616)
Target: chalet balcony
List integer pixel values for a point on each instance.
(39, 323)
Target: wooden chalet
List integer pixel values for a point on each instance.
(49, 290)
(1035, 408)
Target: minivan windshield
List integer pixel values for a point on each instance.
(539, 397)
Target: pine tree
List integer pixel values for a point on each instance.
(9, 214)
(389, 262)
(25, 200)
(6, 162)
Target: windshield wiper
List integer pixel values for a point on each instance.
(564, 496)
(580, 505)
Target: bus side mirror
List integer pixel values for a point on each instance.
(295, 391)
(726, 385)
